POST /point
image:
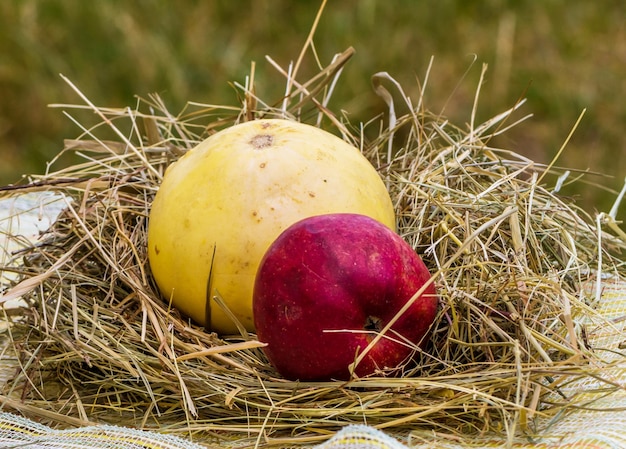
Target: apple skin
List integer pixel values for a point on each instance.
(325, 284)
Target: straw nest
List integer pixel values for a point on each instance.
(510, 257)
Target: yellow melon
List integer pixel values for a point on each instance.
(223, 203)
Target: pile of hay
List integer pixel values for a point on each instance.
(511, 259)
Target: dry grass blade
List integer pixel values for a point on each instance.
(511, 259)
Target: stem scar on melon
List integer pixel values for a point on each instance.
(261, 141)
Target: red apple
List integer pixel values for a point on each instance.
(324, 289)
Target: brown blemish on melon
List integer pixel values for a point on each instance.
(261, 141)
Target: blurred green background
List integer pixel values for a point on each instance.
(562, 55)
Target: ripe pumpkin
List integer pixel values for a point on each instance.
(222, 204)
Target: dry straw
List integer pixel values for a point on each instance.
(511, 261)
